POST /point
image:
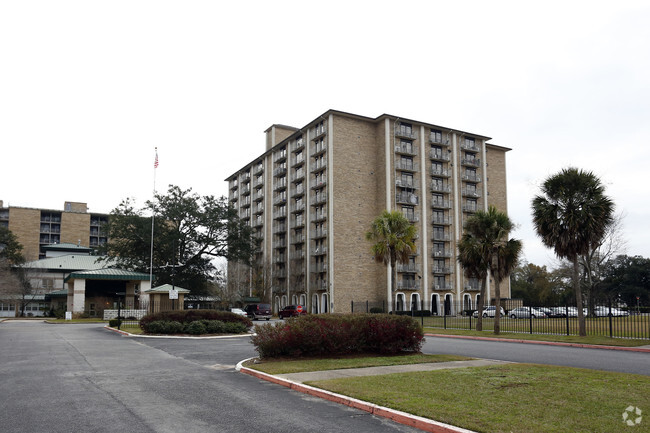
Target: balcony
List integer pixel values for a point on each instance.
(279, 228)
(298, 255)
(280, 156)
(298, 239)
(234, 198)
(258, 222)
(319, 251)
(318, 165)
(471, 162)
(440, 187)
(245, 177)
(234, 185)
(412, 218)
(258, 169)
(407, 285)
(297, 222)
(298, 191)
(258, 182)
(318, 183)
(280, 199)
(470, 287)
(318, 268)
(406, 149)
(278, 214)
(470, 145)
(441, 204)
(280, 259)
(444, 286)
(470, 208)
(406, 133)
(258, 209)
(280, 184)
(406, 198)
(406, 183)
(280, 273)
(318, 216)
(409, 268)
(297, 207)
(318, 233)
(280, 171)
(318, 198)
(470, 192)
(297, 160)
(471, 177)
(440, 172)
(444, 237)
(318, 148)
(245, 202)
(319, 130)
(443, 270)
(437, 139)
(258, 195)
(298, 175)
(440, 253)
(404, 165)
(298, 144)
(442, 220)
(439, 156)
(318, 285)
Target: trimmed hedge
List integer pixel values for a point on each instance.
(195, 322)
(338, 334)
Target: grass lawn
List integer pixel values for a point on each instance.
(624, 342)
(283, 366)
(511, 398)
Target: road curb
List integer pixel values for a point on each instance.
(546, 343)
(186, 337)
(400, 417)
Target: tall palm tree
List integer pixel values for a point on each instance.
(485, 247)
(572, 214)
(393, 236)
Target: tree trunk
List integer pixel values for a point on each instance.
(393, 263)
(582, 331)
(481, 303)
(497, 307)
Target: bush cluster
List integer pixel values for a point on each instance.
(197, 327)
(194, 322)
(338, 334)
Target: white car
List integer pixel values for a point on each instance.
(238, 311)
(489, 311)
(526, 313)
(605, 311)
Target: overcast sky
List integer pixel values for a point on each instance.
(88, 89)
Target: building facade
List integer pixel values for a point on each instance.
(312, 195)
(38, 228)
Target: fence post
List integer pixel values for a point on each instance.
(367, 307)
(351, 306)
(444, 320)
(566, 310)
(610, 318)
(530, 318)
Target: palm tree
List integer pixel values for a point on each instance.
(393, 236)
(485, 247)
(572, 214)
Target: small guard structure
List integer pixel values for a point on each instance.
(159, 298)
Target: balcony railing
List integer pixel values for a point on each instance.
(318, 148)
(436, 139)
(258, 169)
(471, 162)
(297, 160)
(298, 175)
(408, 268)
(318, 216)
(280, 213)
(445, 237)
(467, 192)
(320, 164)
(406, 149)
(279, 228)
(435, 252)
(300, 190)
(319, 251)
(471, 177)
(443, 286)
(439, 156)
(318, 233)
(441, 220)
(406, 198)
(297, 145)
(279, 200)
(318, 267)
(318, 183)
(471, 287)
(440, 187)
(470, 145)
(441, 204)
(406, 133)
(408, 285)
(280, 156)
(404, 166)
(298, 207)
(441, 172)
(298, 239)
(318, 198)
(470, 208)
(297, 222)
(442, 270)
(406, 183)
(297, 255)
(318, 285)
(280, 171)
(259, 195)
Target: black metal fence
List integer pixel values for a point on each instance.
(602, 318)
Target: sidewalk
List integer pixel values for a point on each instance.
(295, 381)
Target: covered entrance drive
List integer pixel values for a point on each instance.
(94, 291)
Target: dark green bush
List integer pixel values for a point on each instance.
(114, 323)
(338, 334)
(188, 316)
(196, 328)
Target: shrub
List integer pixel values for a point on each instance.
(188, 316)
(376, 310)
(337, 334)
(196, 328)
(114, 323)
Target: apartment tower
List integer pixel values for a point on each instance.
(312, 195)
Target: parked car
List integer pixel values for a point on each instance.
(605, 311)
(489, 311)
(549, 312)
(526, 312)
(238, 311)
(258, 311)
(292, 311)
(573, 311)
(560, 312)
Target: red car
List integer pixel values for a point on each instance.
(292, 311)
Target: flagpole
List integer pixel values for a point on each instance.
(153, 213)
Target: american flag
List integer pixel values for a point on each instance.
(155, 162)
